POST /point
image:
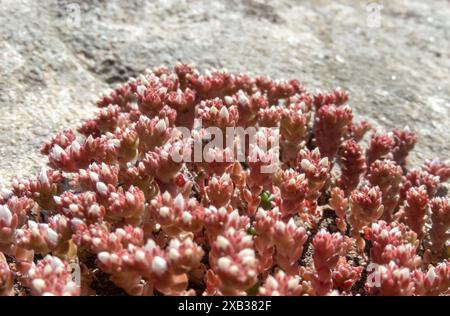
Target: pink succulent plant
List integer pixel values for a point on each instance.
(155, 196)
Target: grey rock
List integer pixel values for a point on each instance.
(56, 56)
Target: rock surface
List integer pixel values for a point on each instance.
(56, 56)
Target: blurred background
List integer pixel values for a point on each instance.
(57, 56)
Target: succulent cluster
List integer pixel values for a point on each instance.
(128, 204)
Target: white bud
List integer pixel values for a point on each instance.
(224, 114)
(73, 208)
(234, 269)
(159, 265)
(5, 214)
(52, 236)
(272, 282)
(291, 224)
(431, 274)
(246, 252)
(48, 269)
(5, 193)
(94, 210)
(140, 89)
(94, 176)
(140, 256)
(373, 193)
(228, 100)
(187, 217)
(96, 241)
(293, 283)
(162, 90)
(214, 181)
(75, 146)
(101, 187)
(57, 200)
(260, 213)
(114, 196)
(130, 197)
(242, 98)
(38, 284)
(222, 242)
(316, 152)
(161, 126)
(213, 110)
(324, 162)
(305, 164)
(234, 216)
(405, 273)
(174, 254)
(115, 258)
(178, 203)
(280, 225)
(179, 98)
(103, 257)
(222, 211)
(43, 178)
(150, 245)
(57, 152)
(166, 196)
(164, 211)
(223, 263)
(225, 178)
(247, 239)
